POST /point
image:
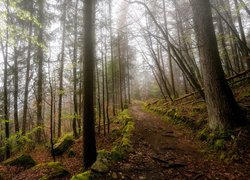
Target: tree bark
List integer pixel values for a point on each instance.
(74, 72)
(89, 144)
(223, 111)
(40, 57)
(27, 75)
(61, 89)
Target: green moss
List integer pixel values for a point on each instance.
(100, 167)
(87, 175)
(203, 134)
(219, 144)
(103, 154)
(21, 161)
(63, 144)
(117, 153)
(53, 170)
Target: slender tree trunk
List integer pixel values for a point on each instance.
(16, 90)
(128, 76)
(223, 111)
(5, 89)
(51, 115)
(106, 85)
(112, 57)
(61, 89)
(40, 57)
(169, 52)
(120, 72)
(103, 92)
(89, 144)
(74, 72)
(242, 33)
(27, 75)
(98, 99)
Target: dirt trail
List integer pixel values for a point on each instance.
(162, 151)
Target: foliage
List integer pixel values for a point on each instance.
(63, 144)
(18, 141)
(87, 175)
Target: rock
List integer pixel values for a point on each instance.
(21, 161)
(142, 177)
(63, 144)
(52, 170)
(83, 176)
(114, 175)
(100, 167)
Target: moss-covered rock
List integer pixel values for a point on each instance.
(100, 167)
(63, 144)
(103, 154)
(52, 170)
(87, 175)
(117, 153)
(22, 161)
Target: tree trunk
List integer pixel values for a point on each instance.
(40, 57)
(89, 144)
(5, 89)
(27, 75)
(112, 56)
(74, 72)
(223, 111)
(16, 90)
(61, 89)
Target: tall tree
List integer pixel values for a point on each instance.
(40, 56)
(89, 144)
(5, 88)
(61, 90)
(27, 75)
(223, 111)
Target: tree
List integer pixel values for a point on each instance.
(223, 111)
(6, 108)
(27, 75)
(40, 60)
(61, 89)
(89, 144)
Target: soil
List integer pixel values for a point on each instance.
(161, 151)
(165, 151)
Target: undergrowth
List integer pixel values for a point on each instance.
(121, 146)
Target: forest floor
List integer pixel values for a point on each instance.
(166, 151)
(161, 150)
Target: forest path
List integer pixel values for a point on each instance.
(164, 151)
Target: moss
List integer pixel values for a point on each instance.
(63, 144)
(117, 154)
(203, 134)
(100, 167)
(103, 154)
(21, 161)
(87, 175)
(219, 144)
(52, 170)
